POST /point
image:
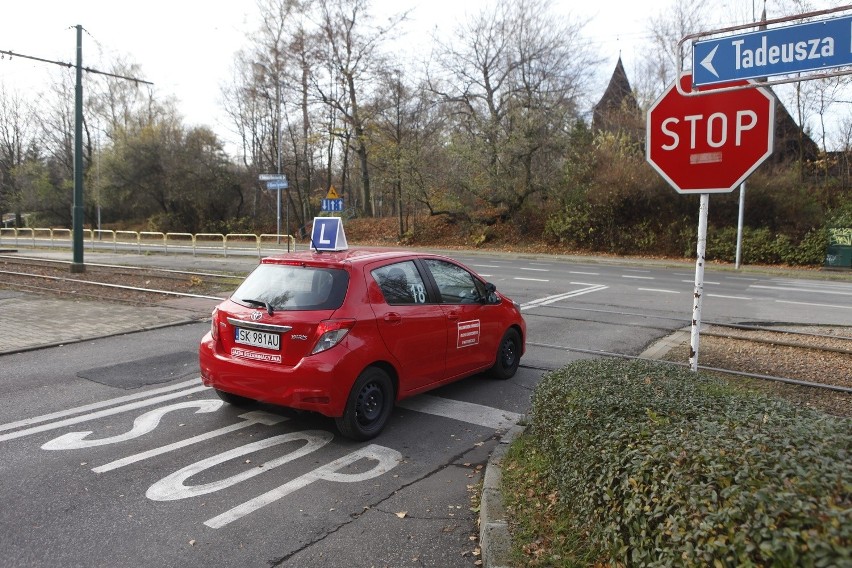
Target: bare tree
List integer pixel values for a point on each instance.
(354, 43)
(16, 146)
(513, 77)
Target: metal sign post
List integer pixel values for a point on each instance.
(698, 293)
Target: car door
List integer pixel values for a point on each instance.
(412, 326)
(473, 328)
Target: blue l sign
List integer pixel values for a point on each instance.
(328, 235)
(812, 46)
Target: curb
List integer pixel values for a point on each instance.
(495, 542)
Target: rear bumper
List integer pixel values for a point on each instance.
(319, 383)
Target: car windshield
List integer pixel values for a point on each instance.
(282, 287)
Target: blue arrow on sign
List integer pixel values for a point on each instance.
(332, 204)
(812, 46)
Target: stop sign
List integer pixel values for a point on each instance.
(709, 143)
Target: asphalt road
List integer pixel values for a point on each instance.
(113, 454)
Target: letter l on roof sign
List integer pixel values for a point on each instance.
(328, 235)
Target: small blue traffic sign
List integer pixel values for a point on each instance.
(332, 204)
(811, 46)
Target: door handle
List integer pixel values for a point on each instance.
(392, 317)
(453, 316)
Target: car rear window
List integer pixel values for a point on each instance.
(283, 287)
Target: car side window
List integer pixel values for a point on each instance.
(401, 283)
(456, 285)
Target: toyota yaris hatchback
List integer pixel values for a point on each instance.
(347, 334)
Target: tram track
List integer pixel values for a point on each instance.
(124, 284)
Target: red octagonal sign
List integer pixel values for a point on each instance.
(709, 143)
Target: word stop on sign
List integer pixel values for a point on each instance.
(714, 130)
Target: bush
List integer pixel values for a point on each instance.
(760, 246)
(657, 465)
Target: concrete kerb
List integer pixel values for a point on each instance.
(495, 541)
(36, 347)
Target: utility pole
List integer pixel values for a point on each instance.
(77, 217)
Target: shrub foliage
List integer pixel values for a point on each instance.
(656, 465)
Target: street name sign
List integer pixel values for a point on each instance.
(277, 184)
(712, 142)
(271, 177)
(811, 46)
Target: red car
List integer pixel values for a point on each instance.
(346, 334)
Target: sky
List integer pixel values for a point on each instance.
(186, 47)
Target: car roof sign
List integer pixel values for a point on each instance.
(328, 235)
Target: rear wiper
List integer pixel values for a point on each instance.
(260, 304)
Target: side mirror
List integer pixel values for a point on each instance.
(491, 294)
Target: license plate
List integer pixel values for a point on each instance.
(257, 338)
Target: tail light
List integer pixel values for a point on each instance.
(214, 324)
(330, 333)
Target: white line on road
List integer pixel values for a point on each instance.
(808, 290)
(706, 282)
(531, 279)
(463, 411)
(95, 406)
(536, 269)
(101, 414)
(637, 277)
(552, 299)
(811, 304)
(658, 290)
(728, 297)
(249, 419)
(585, 273)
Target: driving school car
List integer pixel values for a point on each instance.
(348, 333)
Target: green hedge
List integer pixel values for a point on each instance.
(760, 246)
(660, 466)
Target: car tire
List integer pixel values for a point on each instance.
(368, 407)
(508, 355)
(234, 399)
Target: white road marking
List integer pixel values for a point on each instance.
(172, 487)
(728, 297)
(387, 459)
(585, 273)
(812, 304)
(96, 405)
(658, 290)
(142, 425)
(484, 266)
(638, 277)
(809, 290)
(249, 419)
(558, 297)
(100, 414)
(536, 269)
(531, 279)
(463, 411)
(706, 282)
